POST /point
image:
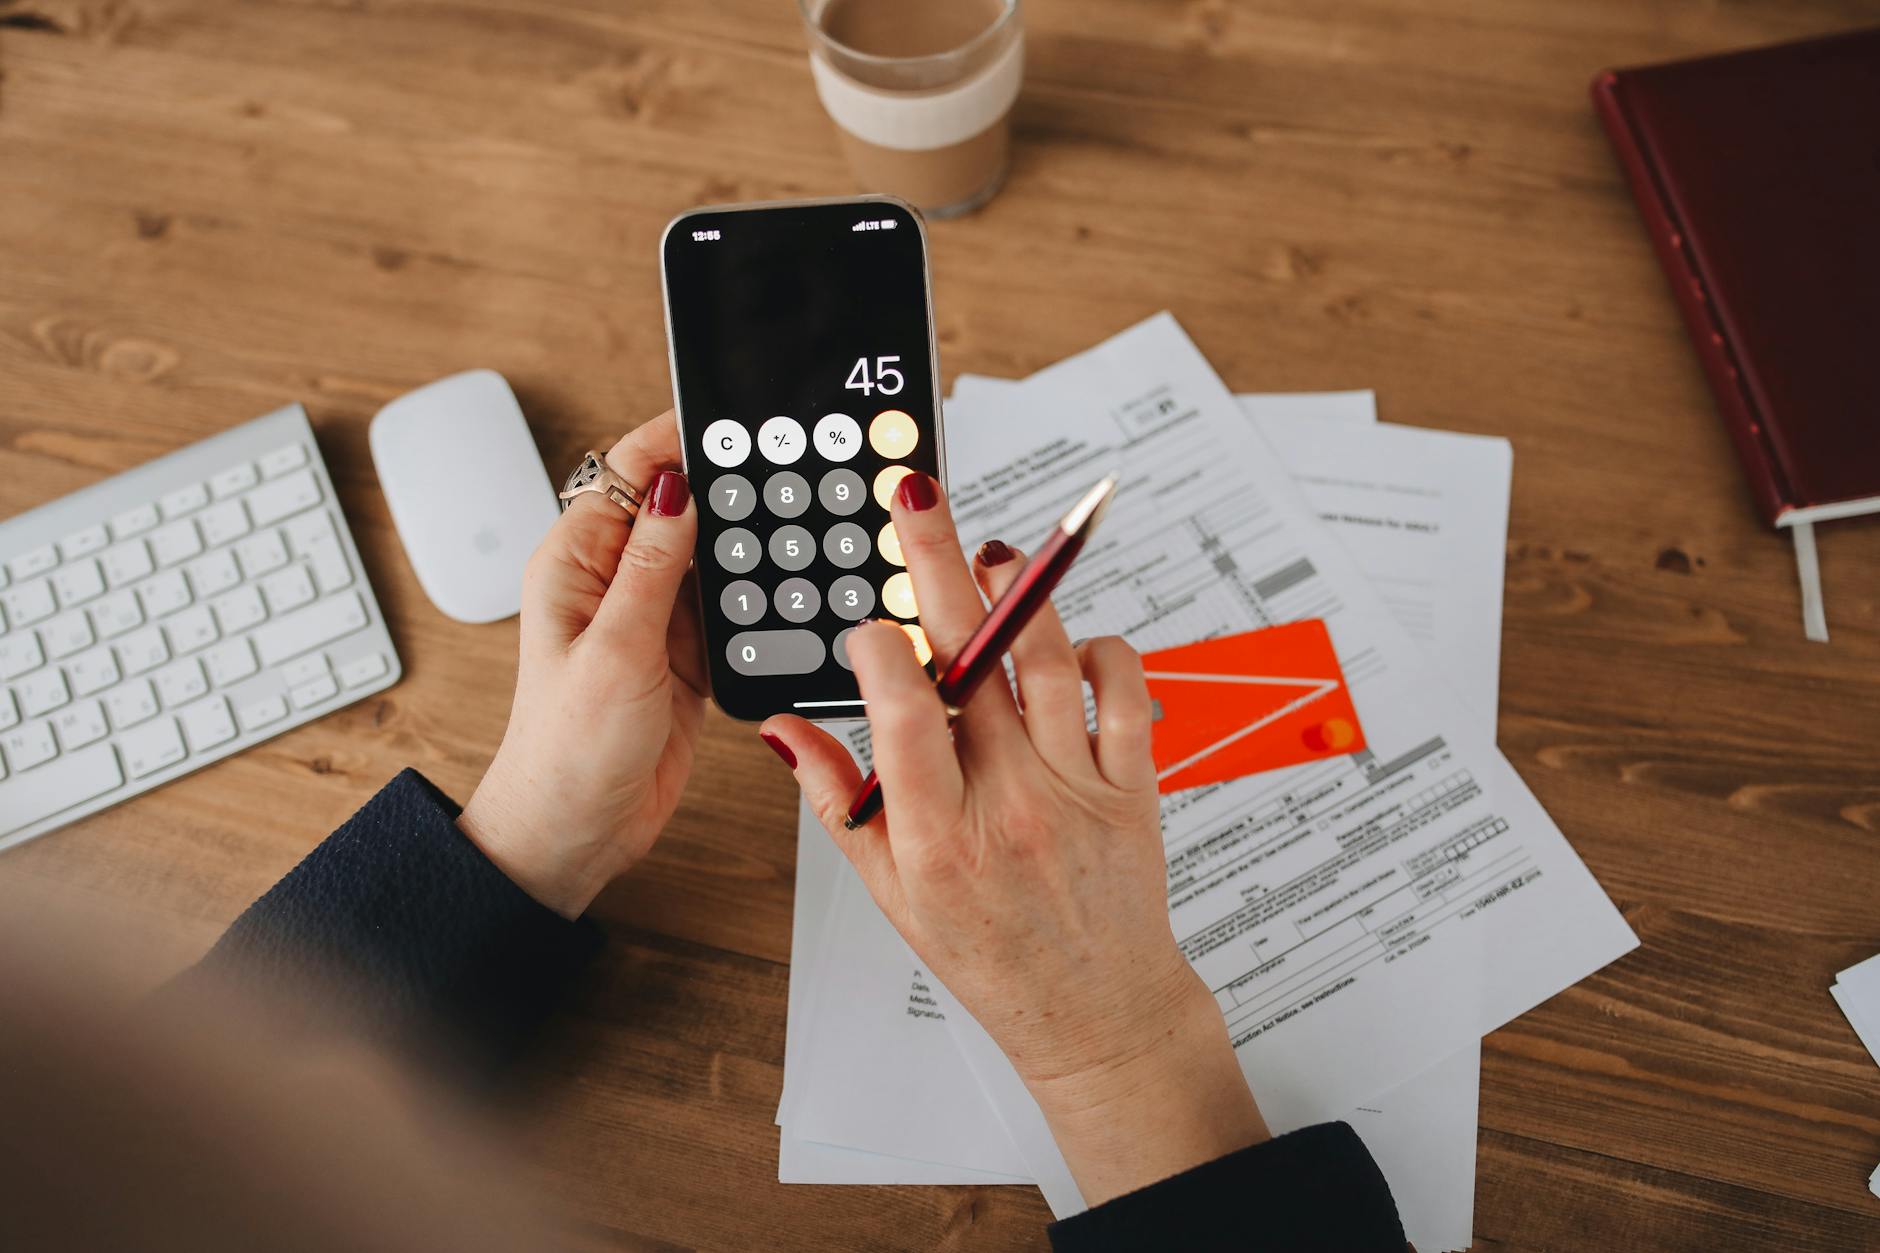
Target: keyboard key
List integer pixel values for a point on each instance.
(304, 669)
(33, 564)
(261, 553)
(127, 563)
(180, 682)
(314, 538)
(151, 747)
(131, 703)
(775, 652)
(27, 603)
(9, 712)
(798, 600)
(362, 670)
(80, 724)
(190, 630)
(176, 542)
(185, 499)
(92, 672)
(852, 597)
(230, 661)
(792, 547)
(84, 543)
(222, 523)
(310, 628)
(134, 521)
(259, 713)
(116, 614)
(845, 545)
(207, 724)
(237, 478)
(287, 589)
(20, 652)
(29, 798)
(284, 497)
(842, 491)
(164, 594)
(743, 602)
(142, 650)
(29, 745)
(213, 574)
(322, 688)
(78, 582)
(738, 550)
(66, 634)
(239, 610)
(282, 459)
(41, 692)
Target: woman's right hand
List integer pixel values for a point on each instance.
(1021, 858)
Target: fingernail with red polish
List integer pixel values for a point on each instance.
(778, 747)
(670, 494)
(918, 492)
(994, 552)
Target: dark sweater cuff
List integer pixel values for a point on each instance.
(398, 926)
(1315, 1188)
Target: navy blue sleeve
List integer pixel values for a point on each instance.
(1315, 1188)
(397, 927)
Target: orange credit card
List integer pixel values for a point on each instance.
(1260, 700)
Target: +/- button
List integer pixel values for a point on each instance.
(781, 440)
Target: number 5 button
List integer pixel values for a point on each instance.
(838, 437)
(727, 443)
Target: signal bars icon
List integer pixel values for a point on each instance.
(875, 224)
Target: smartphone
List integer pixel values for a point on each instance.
(807, 386)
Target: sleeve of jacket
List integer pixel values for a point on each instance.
(397, 926)
(1315, 1188)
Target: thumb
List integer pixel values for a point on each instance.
(829, 778)
(637, 608)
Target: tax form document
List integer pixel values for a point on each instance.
(1359, 921)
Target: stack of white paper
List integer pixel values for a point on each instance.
(1857, 991)
(1418, 895)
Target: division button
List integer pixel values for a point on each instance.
(798, 600)
(897, 594)
(786, 494)
(794, 651)
(792, 547)
(737, 550)
(837, 436)
(923, 651)
(742, 602)
(732, 497)
(781, 440)
(852, 597)
(841, 492)
(893, 434)
(885, 483)
(890, 545)
(727, 443)
(846, 545)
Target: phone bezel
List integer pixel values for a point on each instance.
(678, 405)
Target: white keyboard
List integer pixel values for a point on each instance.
(172, 615)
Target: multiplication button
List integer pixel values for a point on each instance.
(838, 437)
(742, 602)
(786, 494)
(852, 597)
(846, 545)
(841, 492)
(792, 547)
(794, 651)
(798, 600)
(727, 443)
(781, 440)
(738, 551)
(732, 497)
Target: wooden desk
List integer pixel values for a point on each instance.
(208, 210)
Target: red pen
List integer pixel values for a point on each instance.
(985, 651)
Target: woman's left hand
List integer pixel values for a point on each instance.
(609, 688)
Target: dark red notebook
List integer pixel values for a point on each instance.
(1758, 174)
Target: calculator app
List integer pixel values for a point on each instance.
(803, 365)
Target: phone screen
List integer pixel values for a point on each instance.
(804, 372)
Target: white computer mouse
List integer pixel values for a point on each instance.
(467, 491)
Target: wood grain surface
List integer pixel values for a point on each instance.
(209, 209)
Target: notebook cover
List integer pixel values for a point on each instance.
(1758, 175)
